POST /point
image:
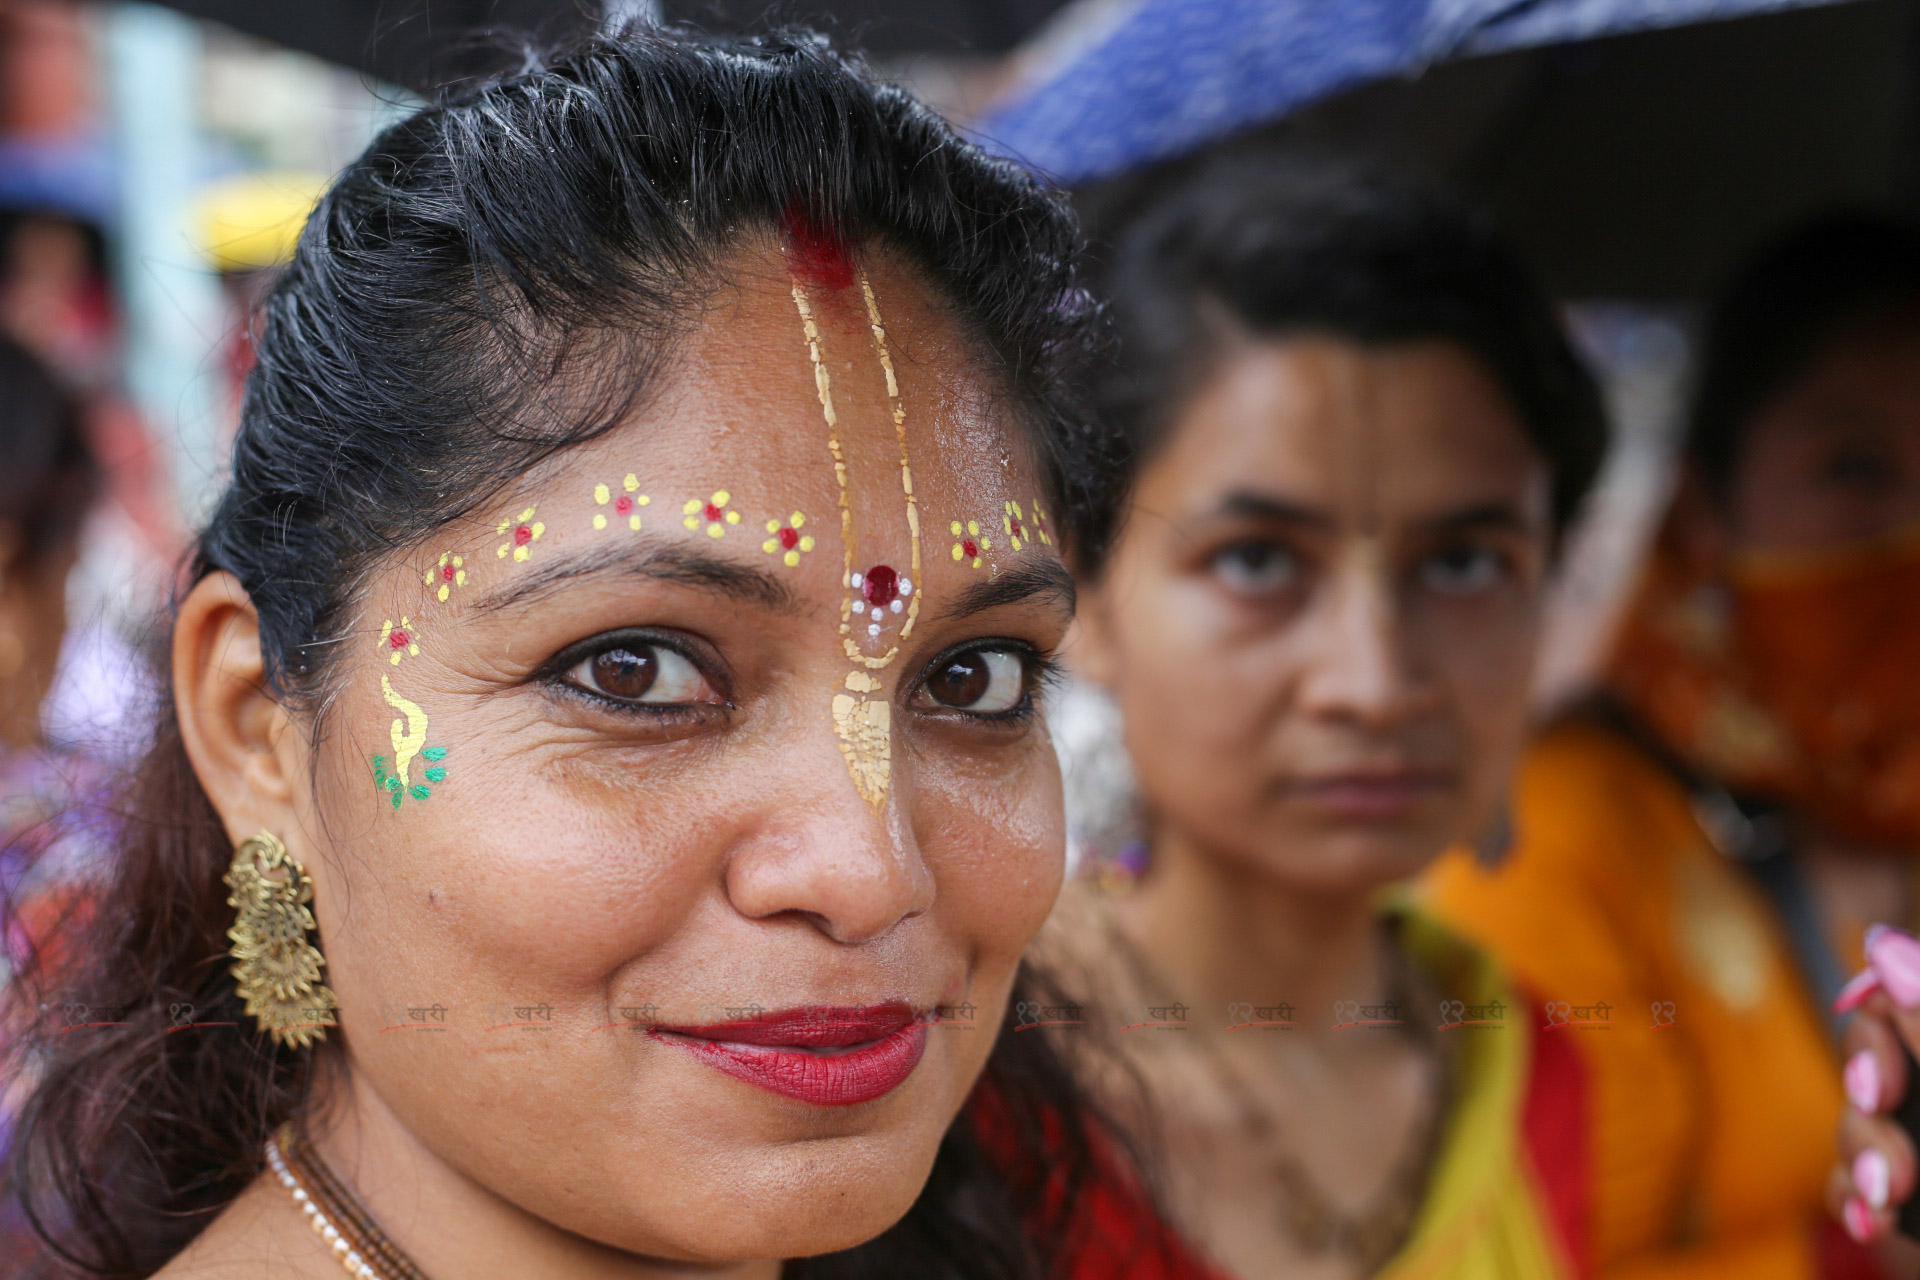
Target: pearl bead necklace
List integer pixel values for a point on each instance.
(342, 1248)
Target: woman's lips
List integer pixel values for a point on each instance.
(1367, 796)
(831, 1056)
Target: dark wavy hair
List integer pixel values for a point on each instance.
(496, 279)
(1778, 313)
(1276, 244)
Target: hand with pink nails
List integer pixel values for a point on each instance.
(1875, 1176)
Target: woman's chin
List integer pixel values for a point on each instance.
(779, 1200)
(815, 1209)
(1353, 859)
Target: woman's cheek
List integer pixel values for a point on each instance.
(562, 879)
(998, 851)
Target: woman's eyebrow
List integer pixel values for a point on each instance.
(1041, 578)
(1496, 515)
(656, 560)
(1260, 506)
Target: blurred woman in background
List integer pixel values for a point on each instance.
(1357, 436)
(48, 480)
(1701, 848)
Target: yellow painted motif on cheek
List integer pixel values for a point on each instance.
(862, 716)
(408, 732)
(407, 735)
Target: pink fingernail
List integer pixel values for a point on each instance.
(1862, 1078)
(1872, 1178)
(1855, 993)
(1859, 1220)
(1895, 956)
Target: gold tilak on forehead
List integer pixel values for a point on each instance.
(862, 723)
(906, 470)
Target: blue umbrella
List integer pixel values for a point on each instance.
(1148, 79)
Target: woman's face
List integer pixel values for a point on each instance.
(646, 848)
(1321, 617)
(1835, 457)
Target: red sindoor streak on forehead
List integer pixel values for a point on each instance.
(817, 255)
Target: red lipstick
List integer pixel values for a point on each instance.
(829, 1055)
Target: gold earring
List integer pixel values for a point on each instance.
(278, 970)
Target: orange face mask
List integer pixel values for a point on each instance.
(1796, 676)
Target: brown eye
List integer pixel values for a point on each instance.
(984, 681)
(640, 673)
(622, 673)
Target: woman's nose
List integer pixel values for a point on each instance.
(823, 853)
(1358, 669)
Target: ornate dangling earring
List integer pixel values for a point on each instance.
(277, 969)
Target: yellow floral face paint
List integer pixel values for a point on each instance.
(713, 512)
(450, 573)
(522, 532)
(398, 641)
(970, 546)
(624, 501)
(786, 540)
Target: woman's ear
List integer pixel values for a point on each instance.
(234, 730)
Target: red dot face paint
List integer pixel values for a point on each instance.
(399, 639)
(969, 547)
(881, 586)
(522, 535)
(623, 504)
(713, 512)
(789, 538)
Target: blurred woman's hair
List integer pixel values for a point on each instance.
(48, 474)
(1781, 310)
(500, 277)
(1255, 243)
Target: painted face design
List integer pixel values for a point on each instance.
(623, 500)
(521, 532)
(407, 735)
(449, 574)
(882, 600)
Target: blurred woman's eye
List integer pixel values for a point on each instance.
(981, 681)
(1461, 570)
(649, 674)
(1857, 465)
(1256, 568)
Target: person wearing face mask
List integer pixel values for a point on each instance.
(1702, 847)
(1357, 433)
